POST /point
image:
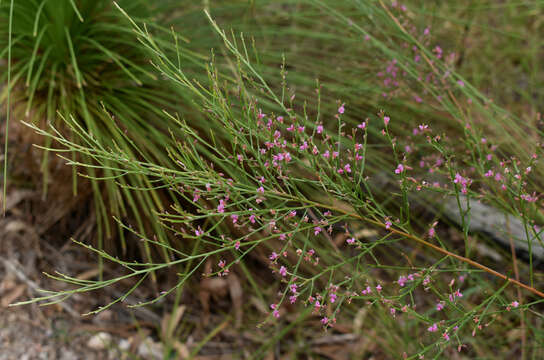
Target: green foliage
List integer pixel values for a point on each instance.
(80, 59)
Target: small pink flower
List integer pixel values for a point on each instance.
(196, 196)
(351, 240)
(222, 263)
(333, 297)
(293, 299)
(234, 218)
(325, 320)
(432, 328)
(252, 218)
(261, 190)
(317, 230)
(273, 256)
(388, 224)
(347, 168)
(199, 232)
(439, 306)
(402, 281)
(341, 109)
(399, 169)
(283, 271)
(514, 304)
(386, 120)
(378, 288)
(319, 129)
(362, 125)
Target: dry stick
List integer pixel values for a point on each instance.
(423, 242)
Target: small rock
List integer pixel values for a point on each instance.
(99, 341)
(150, 350)
(124, 344)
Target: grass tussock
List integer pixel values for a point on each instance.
(331, 155)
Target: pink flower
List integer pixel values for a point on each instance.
(222, 263)
(196, 196)
(378, 288)
(386, 120)
(399, 169)
(514, 304)
(293, 288)
(439, 306)
(402, 280)
(273, 256)
(347, 168)
(351, 240)
(276, 312)
(341, 109)
(261, 190)
(325, 320)
(317, 230)
(362, 125)
(199, 232)
(221, 206)
(283, 271)
(333, 297)
(432, 328)
(388, 224)
(252, 218)
(293, 299)
(319, 129)
(234, 218)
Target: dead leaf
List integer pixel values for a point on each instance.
(170, 323)
(13, 295)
